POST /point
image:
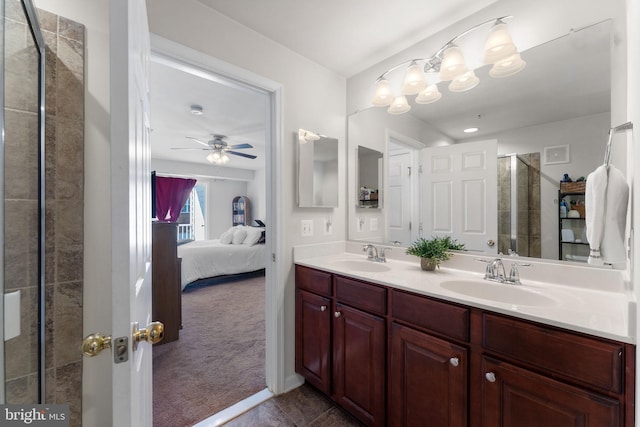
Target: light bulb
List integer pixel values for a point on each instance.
(499, 44)
(383, 95)
(414, 80)
(452, 64)
(399, 106)
(508, 67)
(211, 158)
(224, 158)
(466, 81)
(429, 95)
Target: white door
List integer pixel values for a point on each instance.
(461, 193)
(130, 208)
(399, 198)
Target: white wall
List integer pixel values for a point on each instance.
(315, 102)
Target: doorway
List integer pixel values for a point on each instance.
(248, 177)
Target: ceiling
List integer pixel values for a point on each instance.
(346, 37)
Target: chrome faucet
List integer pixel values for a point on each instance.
(495, 271)
(374, 255)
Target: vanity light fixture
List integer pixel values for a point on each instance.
(448, 64)
(471, 130)
(304, 136)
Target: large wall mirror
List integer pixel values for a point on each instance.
(560, 101)
(317, 170)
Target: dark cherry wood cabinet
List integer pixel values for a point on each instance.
(515, 397)
(392, 357)
(427, 381)
(166, 297)
(313, 339)
(359, 363)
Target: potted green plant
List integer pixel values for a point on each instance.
(433, 251)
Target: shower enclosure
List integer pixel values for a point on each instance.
(519, 204)
(22, 187)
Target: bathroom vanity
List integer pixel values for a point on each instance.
(393, 346)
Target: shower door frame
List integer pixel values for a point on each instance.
(34, 27)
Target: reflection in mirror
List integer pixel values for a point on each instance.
(369, 178)
(562, 98)
(317, 170)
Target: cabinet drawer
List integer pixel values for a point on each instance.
(361, 295)
(313, 280)
(447, 319)
(587, 360)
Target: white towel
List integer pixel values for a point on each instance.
(606, 200)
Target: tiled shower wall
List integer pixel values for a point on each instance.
(64, 218)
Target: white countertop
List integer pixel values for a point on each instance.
(580, 307)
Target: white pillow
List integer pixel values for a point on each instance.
(238, 236)
(253, 235)
(226, 238)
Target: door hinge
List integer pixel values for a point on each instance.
(409, 167)
(409, 225)
(273, 257)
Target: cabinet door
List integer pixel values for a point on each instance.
(514, 397)
(313, 339)
(428, 380)
(359, 363)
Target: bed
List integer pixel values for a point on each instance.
(204, 259)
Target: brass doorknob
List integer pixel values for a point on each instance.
(93, 344)
(153, 333)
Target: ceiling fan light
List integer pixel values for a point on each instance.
(429, 95)
(211, 158)
(414, 80)
(399, 105)
(224, 158)
(508, 67)
(383, 95)
(452, 64)
(499, 44)
(462, 83)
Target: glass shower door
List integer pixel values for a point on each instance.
(22, 151)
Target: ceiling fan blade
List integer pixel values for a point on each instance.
(248, 156)
(181, 148)
(240, 146)
(197, 140)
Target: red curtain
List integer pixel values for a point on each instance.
(171, 195)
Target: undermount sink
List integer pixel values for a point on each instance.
(364, 265)
(498, 292)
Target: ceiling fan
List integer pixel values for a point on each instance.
(220, 149)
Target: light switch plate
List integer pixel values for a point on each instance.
(373, 224)
(328, 227)
(307, 228)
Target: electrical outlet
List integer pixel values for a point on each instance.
(373, 224)
(307, 228)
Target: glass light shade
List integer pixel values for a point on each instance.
(429, 95)
(383, 95)
(452, 64)
(414, 80)
(467, 81)
(508, 67)
(499, 44)
(399, 105)
(211, 157)
(224, 158)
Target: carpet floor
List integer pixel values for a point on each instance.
(219, 358)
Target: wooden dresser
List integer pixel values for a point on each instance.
(165, 276)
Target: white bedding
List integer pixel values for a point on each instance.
(209, 258)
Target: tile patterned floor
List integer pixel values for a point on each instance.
(302, 407)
